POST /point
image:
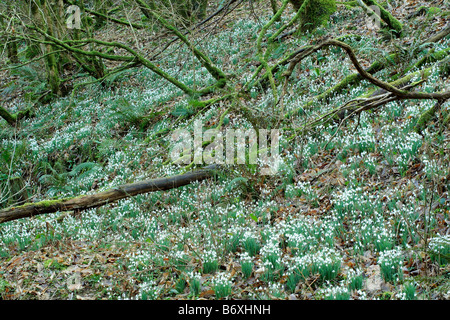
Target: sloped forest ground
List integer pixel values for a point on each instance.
(358, 210)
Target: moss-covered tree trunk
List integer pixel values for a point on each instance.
(41, 14)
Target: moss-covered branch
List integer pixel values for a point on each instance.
(387, 17)
(9, 117)
(119, 21)
(102, 198)
(431, 57)
(136, 57)
(12, 118)
(218, 74)
(355, 78)
(423, 120)
(263, 57)
(376, 98)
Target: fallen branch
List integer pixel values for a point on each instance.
(440, 35)
(102, 198)
(354, 78)
(375, 99)
(225, 7)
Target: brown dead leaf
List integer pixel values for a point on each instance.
(206, 294)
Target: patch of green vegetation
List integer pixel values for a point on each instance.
(4, 284)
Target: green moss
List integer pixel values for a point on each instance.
(49, 203)
(433, 11)
(430, 58)
(387, 17)
(44, 203)
(348, 4)
(314, 13)
(5, 114)
(425, 118)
